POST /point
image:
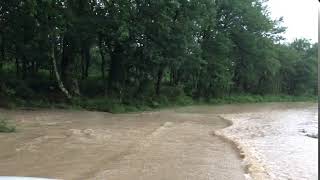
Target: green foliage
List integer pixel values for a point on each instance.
(92, 87)
(5, 127)
(124, 55)
(259, 99)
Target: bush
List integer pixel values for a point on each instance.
(172, 92)
(100, 104)
(117, 108)
(184, 100)
(5, 127)
(131, 109)
(20, 89)
(159, 101)
(258, 98)
(92, 87)
(42, 84)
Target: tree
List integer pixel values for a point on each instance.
(126, 50)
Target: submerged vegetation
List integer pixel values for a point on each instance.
(124, 55)
(5, 127)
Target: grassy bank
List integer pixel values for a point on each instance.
(259, 98)
(5, 127)
(153, 103)
(41, 91)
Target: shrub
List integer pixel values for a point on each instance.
(100, 104)
(131, 109)
(184, 100)
(117, 108)
(172, 92)
(5, 127)
(92, 87)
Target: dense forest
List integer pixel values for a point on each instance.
(147, 52)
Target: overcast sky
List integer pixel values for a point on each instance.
(300, 17)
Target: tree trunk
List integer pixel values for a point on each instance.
(17, 66)
(68, 67)
(87, 61)
(116, 70)
(55, 69)
(2, 61)
(64, 60)
(24, 67)
(33, 68)
(103, 60)
(82, 64)
(172, 76)
(159, 79)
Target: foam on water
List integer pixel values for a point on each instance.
(278, 144)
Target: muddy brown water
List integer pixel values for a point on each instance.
(168, 144)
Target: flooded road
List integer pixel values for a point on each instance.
(168, 144)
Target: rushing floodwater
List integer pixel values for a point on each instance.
(279, 144)
(179, 144)
(75, 145)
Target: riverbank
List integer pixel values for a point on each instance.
(156, 103)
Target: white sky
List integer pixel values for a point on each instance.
(299, 16)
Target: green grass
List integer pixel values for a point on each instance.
(260, 99)
(109, 105)
(5, 127)
(155, 103)
(16, 93)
